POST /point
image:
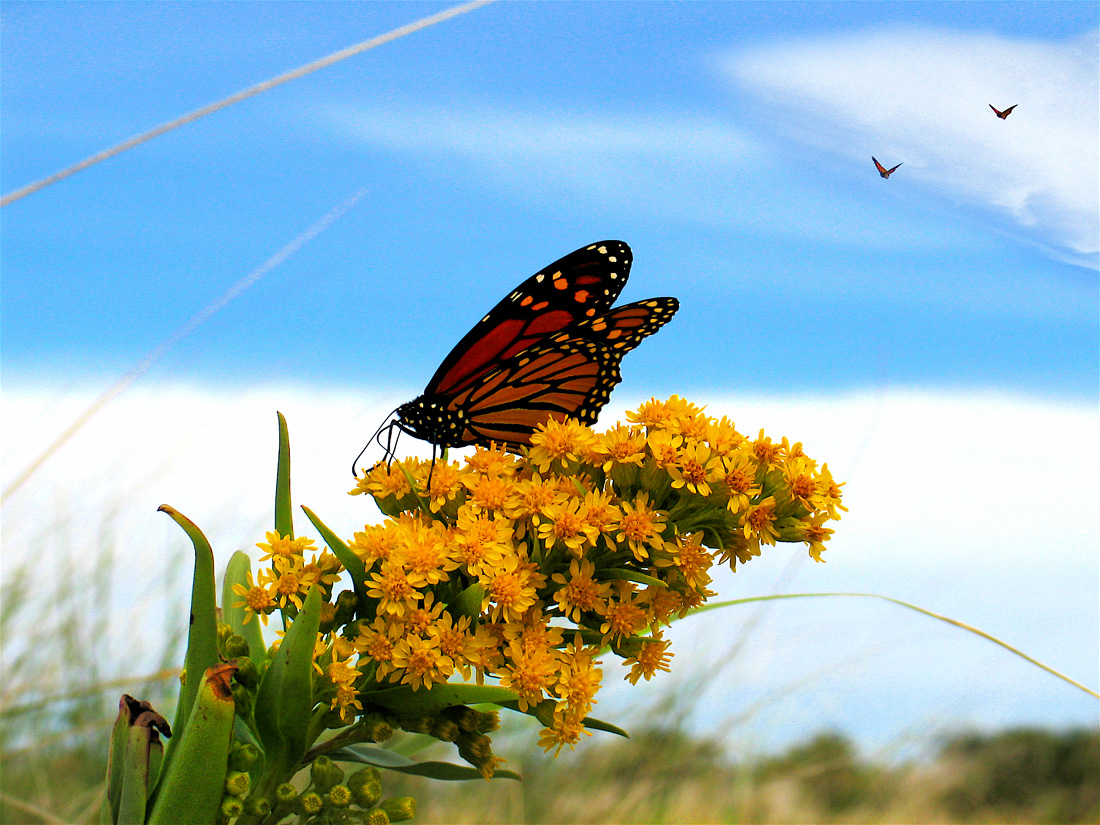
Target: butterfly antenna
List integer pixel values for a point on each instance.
(388, 424)
(390, 447)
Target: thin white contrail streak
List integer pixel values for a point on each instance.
(157, 353)
(254, 90)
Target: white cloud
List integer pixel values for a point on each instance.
(979, 506)
(503, 138)
(656, 162)
(921, 96)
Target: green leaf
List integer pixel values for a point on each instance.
(413, 743)
(202, 632)
(404, 700)
(284, 516)
(544, 712)
(116, 763)
(421, 502)
(284, 700)
(192, 786)
(135, 782)
(236, 572)
(469, 600)
(630, 576)
(352, 563)
(380, 758)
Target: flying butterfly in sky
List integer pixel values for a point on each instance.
(550, 349)
(882, 170)
(1005, 113)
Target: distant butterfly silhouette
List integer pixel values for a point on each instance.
(882, 170)
(1005, 113)
(550, 349)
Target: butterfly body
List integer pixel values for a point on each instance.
(550, 349)
(882, 170)
(1003, 114)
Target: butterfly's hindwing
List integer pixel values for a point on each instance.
(572, 375)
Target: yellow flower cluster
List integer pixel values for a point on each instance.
(524, 568)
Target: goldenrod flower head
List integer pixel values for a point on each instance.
(579, 592)
(619, 445)
(651, 657)
(695, 468)
(722, 436)
(481, 539)
(492, 461)
(324, 569)
(257, 600)
(559, 442)
(504, 565)
(511, 589)
(656, 413)
(625, 614)
(376, 542)
(599, 512)
(488, 492)
(664, 446)
(283, 546)
(532, 496)
(529, 672)
(739, 479)
(688, 556)
(446, 484)
(383, 480)
(767, 453)
(396, 588)
(420, 662)
(758, 521)
(641, 526)
(285, 581)
(565, 526)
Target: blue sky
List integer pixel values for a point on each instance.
(728, 143)
(930, 335)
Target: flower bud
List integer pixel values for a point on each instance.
(257, 806)
(242, 700)
(346, 603)
(487, 722)
(377, 727)
(236, 647)
(339, 796)
(231, 806)
(325, 774)
(328, 617)
(247, 672)
(243, 757)
(416, 724)
(310, 803)
(466, 718)
(366, 786)
(445, 730)
(237, 783)
(286, 794)
(224, 631)
(399, 808)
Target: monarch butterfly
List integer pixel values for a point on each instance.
(882, 170)
(550, 349)
(1005, 113)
